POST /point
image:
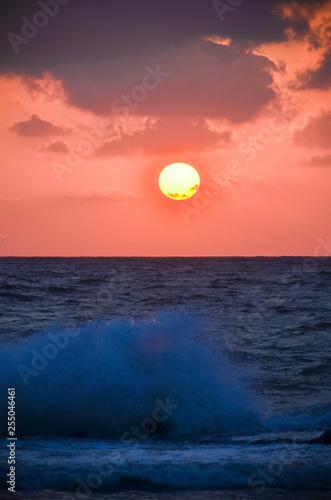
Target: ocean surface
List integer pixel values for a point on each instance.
(166, 377)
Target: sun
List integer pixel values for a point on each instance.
(179, 181)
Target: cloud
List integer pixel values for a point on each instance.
(255, 182)
(56, 146)
(317, 160)
(46, 86)
(316, 132)
(225, 181)
(317, 54)
(319, 79)
(132, 31)
(217, 39)
(36, 126)
(305, 20)
(105, 193)
(200, 80)
(166, 136)
(205, 79)
(143, 29)
(297, 11)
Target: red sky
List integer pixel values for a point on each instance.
(92, 111)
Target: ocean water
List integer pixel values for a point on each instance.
(166, 377)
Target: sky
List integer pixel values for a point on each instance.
(98, 96)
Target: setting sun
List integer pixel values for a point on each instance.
(179, 181)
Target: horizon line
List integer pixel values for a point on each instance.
(159, 256)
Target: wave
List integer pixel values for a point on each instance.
(102, 466)
(313, 418)
(102, 378)
(190, 475)
(143, 405)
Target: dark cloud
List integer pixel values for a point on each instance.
(164, 137)
(316, 133)
(36, 126)
(56, 146)
(202, 79)
(103, 30)
(100, 49)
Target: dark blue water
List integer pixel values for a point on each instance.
(167, 372)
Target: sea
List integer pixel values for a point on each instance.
(165, 378)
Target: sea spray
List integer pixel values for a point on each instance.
(108, 375)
